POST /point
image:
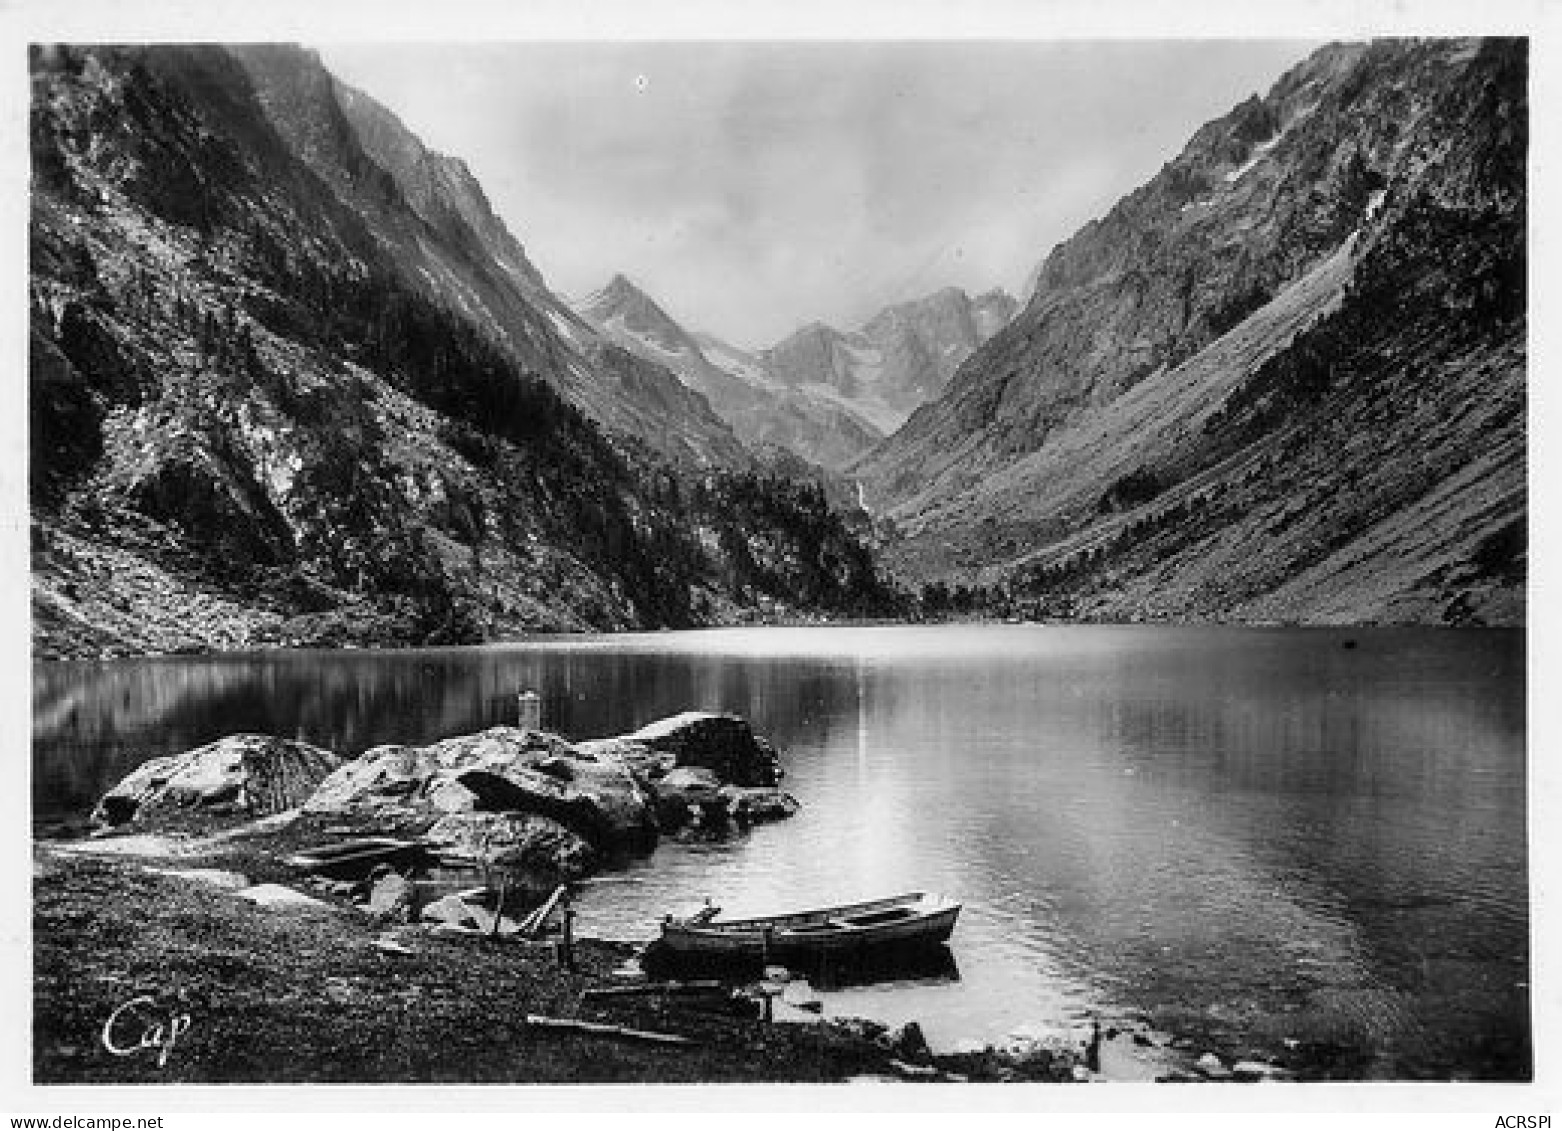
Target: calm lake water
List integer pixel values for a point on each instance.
(1288, 835)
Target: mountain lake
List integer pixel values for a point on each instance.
(1295, 835)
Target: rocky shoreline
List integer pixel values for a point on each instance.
(162, 950)
(548, 810)
(189, 900)
(183, 934)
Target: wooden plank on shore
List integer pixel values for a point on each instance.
(534, 923)
(703, 986)
(567, 1024)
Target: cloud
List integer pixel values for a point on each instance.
(755, 186)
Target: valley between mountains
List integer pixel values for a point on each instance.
(293, 382)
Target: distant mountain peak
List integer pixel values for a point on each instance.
(622, 285)
(813, 334)
(897, 360)
(622, 308)
(621, 293)
(765, 413)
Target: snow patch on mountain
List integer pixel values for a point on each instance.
(1257, 155)
(740, 364)
(872, 409)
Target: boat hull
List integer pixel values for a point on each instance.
(883, 924)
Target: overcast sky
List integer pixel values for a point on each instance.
(754, 187)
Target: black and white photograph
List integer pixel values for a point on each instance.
(909, 565)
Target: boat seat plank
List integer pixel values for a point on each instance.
(874, 917)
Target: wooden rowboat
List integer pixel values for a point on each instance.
(916, 919)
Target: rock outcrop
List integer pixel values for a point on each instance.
(239, 777)
(516, 842)
(693, 797)
(503, 769)
(757, 806)
(688, 795)
(531, 803)
(541, 808)
(723, 744)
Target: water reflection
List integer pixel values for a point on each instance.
(1260, 831)
(886, 968)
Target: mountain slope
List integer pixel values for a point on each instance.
(436, 219)
(280, 394)
(1282, 380)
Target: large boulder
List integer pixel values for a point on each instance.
(690, 795)
(603, 802)
(500, 770)
(383, 781)
(644, 763)
(693, 799)
(537, 848)
(395, 781)
(243, 776)
(624, 809)
(724, 744)
(614, 793)
(516, 789)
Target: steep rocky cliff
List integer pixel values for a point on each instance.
(429, 211)
(1282, 380)
(291, 382)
